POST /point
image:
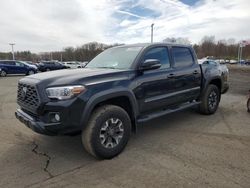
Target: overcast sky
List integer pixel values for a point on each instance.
(48, 25)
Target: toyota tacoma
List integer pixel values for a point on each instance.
(119, 89)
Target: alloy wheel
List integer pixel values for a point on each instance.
(212, 100)
(111, 133)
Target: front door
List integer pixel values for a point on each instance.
(20, 68)
(154, 87)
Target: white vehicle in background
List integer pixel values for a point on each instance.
(200, 61)
(232, 61)
(221, 61)
(72, 64)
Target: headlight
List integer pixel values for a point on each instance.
(65, 92)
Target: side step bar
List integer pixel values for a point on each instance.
(165, 112)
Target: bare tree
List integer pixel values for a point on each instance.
(179, 40)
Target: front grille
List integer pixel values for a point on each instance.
(27, 96)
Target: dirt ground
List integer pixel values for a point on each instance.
(183, 149)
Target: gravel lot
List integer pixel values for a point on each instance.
(183, 149)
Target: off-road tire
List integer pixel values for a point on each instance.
(91, 134)
(205, 107)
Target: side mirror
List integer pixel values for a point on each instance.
(150, 64)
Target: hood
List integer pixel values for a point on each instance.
(33, 66)
(75, 76)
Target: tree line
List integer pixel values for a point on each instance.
(208, 46)
(82, 53)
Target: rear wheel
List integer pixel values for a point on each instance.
(3, 73)
(107, 132)
(210, 100)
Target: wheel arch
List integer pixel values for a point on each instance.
(215, 81)
(123, 98)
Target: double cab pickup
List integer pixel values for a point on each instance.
(120, 88)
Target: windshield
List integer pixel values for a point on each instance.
(115, 58)
(25, 63)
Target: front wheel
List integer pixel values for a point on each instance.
(107, 132)
(210, 100)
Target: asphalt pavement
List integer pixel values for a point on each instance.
(183, 149)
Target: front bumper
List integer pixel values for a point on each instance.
(38, 112)
(37, 126)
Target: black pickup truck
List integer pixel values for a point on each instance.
(120, 88)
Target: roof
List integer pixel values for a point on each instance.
(153, 44)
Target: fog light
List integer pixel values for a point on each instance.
(57, 117)
(54, 117)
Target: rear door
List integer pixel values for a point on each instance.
(186, 74)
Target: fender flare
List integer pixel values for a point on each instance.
(106, 95)
(207, 82)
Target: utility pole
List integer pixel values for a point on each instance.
(240, 54)
(12, 47)
(152, 32)
(241, 46)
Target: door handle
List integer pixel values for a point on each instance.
(195, 72)
(171, 75)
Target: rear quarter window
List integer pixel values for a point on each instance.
(182, 57)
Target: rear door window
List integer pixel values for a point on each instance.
(182, 57)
